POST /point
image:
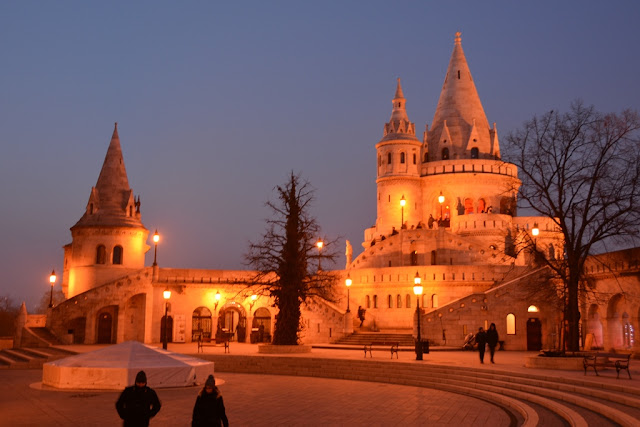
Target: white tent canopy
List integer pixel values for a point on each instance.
(116, 366)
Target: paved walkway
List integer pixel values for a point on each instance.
(257, 400)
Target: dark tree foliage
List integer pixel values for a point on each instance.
(287, 260)
(581, 169)
(8, 313)
(43, 304)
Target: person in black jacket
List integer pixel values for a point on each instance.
(138, 403)
(481, 340)
(492, 340)
(209, 407)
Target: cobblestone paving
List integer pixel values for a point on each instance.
(254, 400)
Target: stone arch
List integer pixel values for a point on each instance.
(482, 206)
(262, 322)
(201, 323)
(134, 317)
(615, 309)
(106, 324)
(594, 326)
(232, 322)
(468, 206)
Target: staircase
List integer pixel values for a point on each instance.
(30, 358)
(359, 339)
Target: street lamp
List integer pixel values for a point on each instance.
(402, 203)
(417, 290)
(348, 282)
(319, 244)
(156, 239)
(166, 294)
(441, 201)
(52, 280)
(535, 231)
(218, 296)
(254, 297)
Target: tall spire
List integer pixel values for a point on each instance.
(459, 105)
(399, 122)
(112, 201)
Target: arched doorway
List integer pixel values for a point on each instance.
(201, 321)
(232, 323)
(534, 335)
(105, 326)
(262, 321)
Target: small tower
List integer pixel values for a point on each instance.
(398, 166)
(109, 240)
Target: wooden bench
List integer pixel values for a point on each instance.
(607, 360)
(393, 346)
(208, 342)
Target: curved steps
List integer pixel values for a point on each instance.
(571, 400)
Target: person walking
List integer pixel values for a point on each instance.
(209, 407)
(481, 340)
(492, 340)
(138, 403)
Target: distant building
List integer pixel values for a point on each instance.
(446, 212)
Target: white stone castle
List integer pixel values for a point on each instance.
(446, 212)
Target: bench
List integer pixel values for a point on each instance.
(208, 342)
(607, 360)
(393, 346)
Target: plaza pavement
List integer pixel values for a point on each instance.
(261, 400)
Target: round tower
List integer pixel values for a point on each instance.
(109, 241)
(398, 171)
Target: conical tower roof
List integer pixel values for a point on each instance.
(399, 125)
(459, 108)
(111, 202)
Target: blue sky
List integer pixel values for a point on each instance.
(216, 102)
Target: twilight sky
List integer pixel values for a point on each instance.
(216, 102)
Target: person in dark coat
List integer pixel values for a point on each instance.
(481, 340)
(209, 407)
(492, 340)
(138, 403)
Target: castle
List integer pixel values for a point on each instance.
(446, 213)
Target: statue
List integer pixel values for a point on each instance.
(348, 253)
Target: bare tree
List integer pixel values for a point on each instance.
(8, 312)
(43, 304)
(582, 170)
(287, 260)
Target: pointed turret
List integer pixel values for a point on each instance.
(460, 107)
(111, 202)
(399, 125)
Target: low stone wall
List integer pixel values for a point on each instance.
(561, 363)
(283, 349)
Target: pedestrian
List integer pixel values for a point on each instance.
(209, 407)
(138, 403)
(481, 340)
(492, 340)
(361, 312)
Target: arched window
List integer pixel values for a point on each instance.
(474, 153)
(532, 309)
(368, 301)
(389, 301)
(379, 160)
(414, 158)
(445, 154)
(482, 206)
(468, 206)
(402, 158)
(101, 255)
(389, 158)
(399, 301)
(375, 301)
(433, 257)
(434, 300)
(511, 324)
(414, 258)
(117, 255)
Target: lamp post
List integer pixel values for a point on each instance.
(156, 239)
(319, 245)
(166, 295)
(218, 296)
(441, 201)
(402, 203)
(348, 282)
(417, 290)
(254, 297)
(52, 280)
(535, 231)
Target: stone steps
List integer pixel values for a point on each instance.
(30, 358)
(568, 399)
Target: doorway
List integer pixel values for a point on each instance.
(105, 326)
(534, 335)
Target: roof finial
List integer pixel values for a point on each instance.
(116, 125)
(458, 39)
(399, 93)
